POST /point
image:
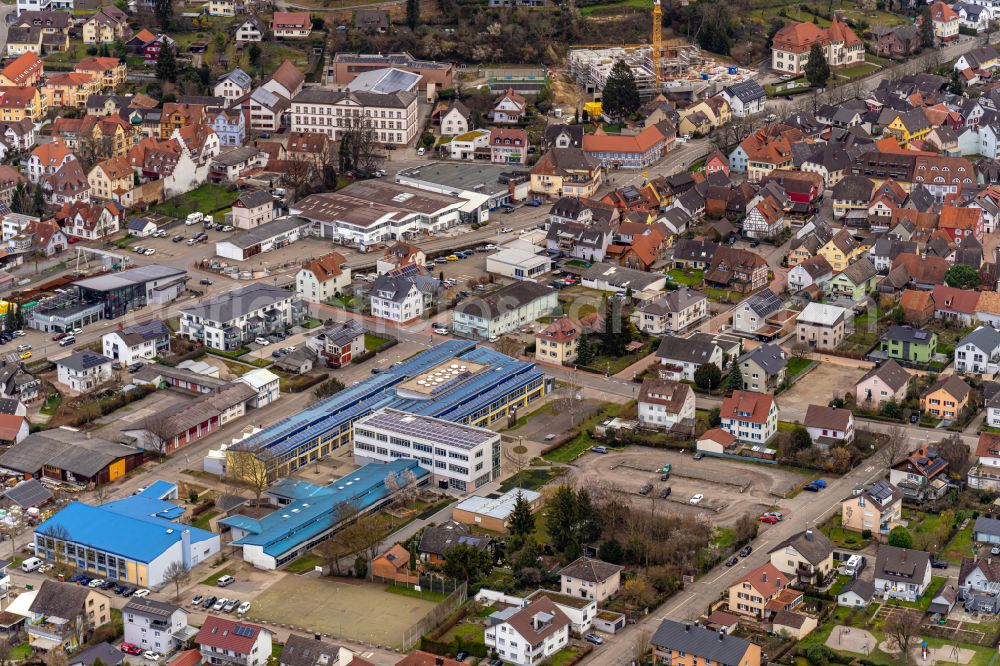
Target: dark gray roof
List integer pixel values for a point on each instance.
(862, 588)
(106, 653)
(504, 299)
(747, 91)
(83, 360)
(302, 651)
(143, 332)
(853, 188)
(28, 493)
(986, 525)
(63, 600)
(908, 334)
(690, 249)
(249, 237)
(9, 405)
(763, 303)
(236, 156)
(64, 449)
(901, 564)
(813, 545)
(393, 287)
(396, 100)
(772, 359)
(238, 77)
(860, 271)
(589, 569)
(985, 338)
(238, 303)
(437, 540)
(343, 333)
(574, 132)
(151, 608)
(689, 350)
(718, 647)
(675, 301)
(256, 198)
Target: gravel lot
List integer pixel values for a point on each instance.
(817, 387)
(730, 488)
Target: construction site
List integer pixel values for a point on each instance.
(678, 69)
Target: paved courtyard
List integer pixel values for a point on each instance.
(363, 612)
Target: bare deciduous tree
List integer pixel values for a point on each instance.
(178, 574)
(159, 430)
(250, 468)
(893, 447)
(901, 628)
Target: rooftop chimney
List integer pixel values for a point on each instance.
(722, 634)
(763, 577)
(809, 535)
(687, 627)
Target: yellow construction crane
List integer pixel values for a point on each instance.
(657, 45)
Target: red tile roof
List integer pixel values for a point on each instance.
(10, 425)
(989, 445)
(218, 632)
(747, 406)
(186, 658)
(955, 300)
(561, 330)
(23, 68)
(766, 579)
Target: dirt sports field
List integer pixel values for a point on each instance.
(363, 612)
(730, 488)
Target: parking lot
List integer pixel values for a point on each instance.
(730, 488)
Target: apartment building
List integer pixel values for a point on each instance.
(153, 625)
(526, 636)
(233, 320)
(459, 457)
(821, 326)
(749, 416)
(223, 642)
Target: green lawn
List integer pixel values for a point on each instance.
(687, 278)
(960, 546)
(723, 537)
(373, 342)
(426, 595)
(841, 537)
(469, 633)
(858, 71)
(276, 649)
(207, 198)
(202, 521)
(532, 478)
(579, 445)
(51, 405)
(20, 652)
(615, 7)
(214, 578)
(565, 656)
(723, 295)
(304, 564)
(925, 600)
(796, 366)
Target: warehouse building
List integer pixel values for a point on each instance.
(70, 456)
(134, 540)
(484, 187)
(459, 457)
(493, 386)
(264, 238)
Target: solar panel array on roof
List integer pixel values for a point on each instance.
(241, 630)
(920, 335)
(880, 491)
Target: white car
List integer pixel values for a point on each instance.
(494, 338)
(262, 342)
(507, 230)
(149, 252)
(491, 246)
(696, 499)
(149, 655)
(288, 350)
(141, 593)
(243, 608)
(441, 330)
(97, 582)
(75, 331)
(220, 604)
(421, 151)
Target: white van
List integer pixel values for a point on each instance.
(194, 218)
(224, 581)
(31, 564)
(853, 565)
(67, 341)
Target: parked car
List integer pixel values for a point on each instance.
(197, 600)
(218, 605)
(645, 488)
(225, 580)
(263, 342)
(594, 638)
(939, 564)
(96, 583)
(205, 281)
(732, 561)
(58, 336)
(244, 608)
(135, 367)
(506, 230)
(770, 520)
(25, 356)
(746, 550)
(141, 593)
(696, 499)
(665, 492)
(178, 238)
(209, 602)
(231, 605)
(549, 437)
(128, 648)
(699, 455)
(599, 449)
(440, 330)
(149, 655)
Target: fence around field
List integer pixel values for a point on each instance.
(411, 636)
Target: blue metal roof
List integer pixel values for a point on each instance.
(159, 490)
(122, 527)
(294, 524)
(377, 392)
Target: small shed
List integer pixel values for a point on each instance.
(715, 441)
(944, 600)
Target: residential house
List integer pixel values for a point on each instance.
(986, 530)
(24, 71)
(83, 371)
(901, 573)
(221, 640)
(672, 313)
(252, 29)
(908, 127)
(876, 508)
(455, 119)
(841, 250)
(945, 21)
(629, 151)
(921, 475)
(883, 383)
(736, 269)
(557, 343)
(694, 253)
(323, 278)
(829, 426)
(985, 472)
(908, 344)
(436, 541)
(291, 25)
(979, 352)
(813, 271)
(806, 556)
(153, 625)
(822, 326)
(525, 636)
(339, 343)
(749, 416)
(401, 298)
(473, 145)
(17, 104)
(398, 255)
(508, 146)
(665, 404)
(589, 578)
(504, 310)
(62, 616)
(510, 108)
(394, 565)
(110, 72)
(856, 282)
(751, 315)
(833, 164)
(979, 576)
(946, 398)
(680, 357)
(988, 308)
(745, 99)
(765, 221)
(311, 147)
(754, 593)
(961, 223)
(763, 368)
(230, 125)
(91, 221)
(857, 593)
(143, 341)
(106, 26)
(684, 644)
(233, 85)
(563, 172)
(110, 179)
(229, 321)
(253, 208)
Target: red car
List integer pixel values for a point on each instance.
(128, 648)
(58, 336)
(770, 520)
(74, 239)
